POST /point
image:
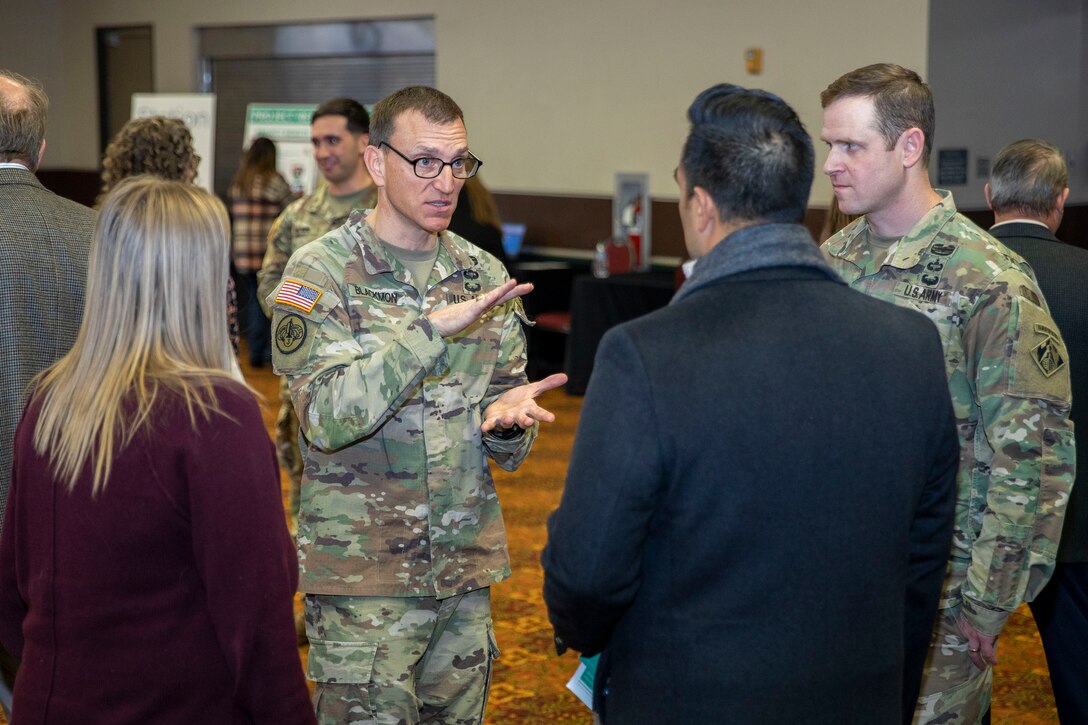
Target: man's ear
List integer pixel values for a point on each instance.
(41, 154)
(375, 164)
(913, 143)
(1060, 203)
(986, 193)
(704, 208)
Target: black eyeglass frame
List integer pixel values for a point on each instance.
(442, 164)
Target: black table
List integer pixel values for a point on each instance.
(552, 281)
(598, 304)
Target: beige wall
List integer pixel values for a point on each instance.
(558, 96)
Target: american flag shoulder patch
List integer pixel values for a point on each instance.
(298, 294)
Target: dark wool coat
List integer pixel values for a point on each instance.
(758, 509)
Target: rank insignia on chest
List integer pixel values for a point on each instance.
(472, 281)
(298, 294)
(1049, 354)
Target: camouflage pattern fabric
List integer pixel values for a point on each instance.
(303, 221)
(397, 496)
(1009, 381)
(401, 660)
(954, 691)
(288, 448)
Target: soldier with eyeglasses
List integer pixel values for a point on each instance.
(404, 350)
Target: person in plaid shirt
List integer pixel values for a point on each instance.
(258, 194)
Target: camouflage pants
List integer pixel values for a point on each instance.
(287, 448)
(954, 691)
(399, 660)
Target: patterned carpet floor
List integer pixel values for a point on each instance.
(530, 680)
(529, 685)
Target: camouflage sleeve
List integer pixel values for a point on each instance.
(510, 373)
(1021, 378)
(276, 255)
(345, 386)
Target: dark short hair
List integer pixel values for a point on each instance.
(751, 153)
(355, 113)
(22, 120)
(435, 106)
(901, 100)
(1027, 177)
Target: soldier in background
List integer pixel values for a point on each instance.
(404, 350)
(1006, 364)
(1027, 190)
(339, 131)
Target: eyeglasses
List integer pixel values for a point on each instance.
(429, 167)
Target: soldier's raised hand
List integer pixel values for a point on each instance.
(451, 319)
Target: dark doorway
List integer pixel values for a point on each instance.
(124, 68)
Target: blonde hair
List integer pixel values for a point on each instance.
(153, 321)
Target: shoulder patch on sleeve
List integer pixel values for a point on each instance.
(297, 293)
(1030, 294)
(1040, 368)
(290, 333)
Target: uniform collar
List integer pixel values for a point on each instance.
(452, 257)
(907, 252)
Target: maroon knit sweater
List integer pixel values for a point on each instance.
(167, 597)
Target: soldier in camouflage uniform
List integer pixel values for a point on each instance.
(339, 131)
(1005, 360)
(404, 350)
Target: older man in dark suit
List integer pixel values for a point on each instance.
(758, 508)
(1027, 192)
(44, 241)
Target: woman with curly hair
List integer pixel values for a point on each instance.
(154, 145)
(161, 147)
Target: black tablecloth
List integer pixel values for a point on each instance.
(598, 304)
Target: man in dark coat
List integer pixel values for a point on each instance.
(1027, 192)
(44, 241)
(758, 508)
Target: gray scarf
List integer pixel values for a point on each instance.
(756, 247)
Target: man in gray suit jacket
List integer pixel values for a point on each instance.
(1027, 192)
(44, 241)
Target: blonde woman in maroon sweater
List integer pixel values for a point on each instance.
(146, 573)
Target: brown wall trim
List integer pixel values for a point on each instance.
(578, 222)
(79, 186)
